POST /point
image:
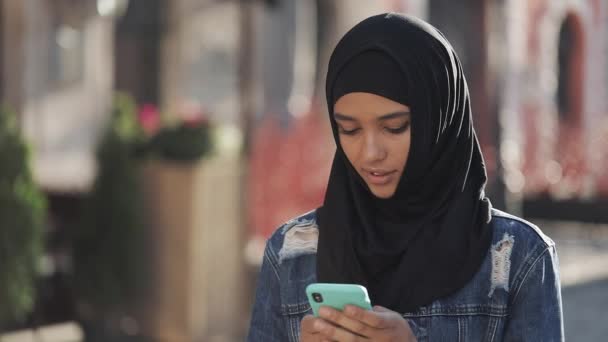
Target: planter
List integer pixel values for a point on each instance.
(195, 239)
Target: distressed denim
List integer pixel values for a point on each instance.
(514, 296)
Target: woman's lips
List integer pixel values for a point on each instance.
(380, 177)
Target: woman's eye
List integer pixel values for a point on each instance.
(347, 131)
(399, 129)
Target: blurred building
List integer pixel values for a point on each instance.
(537, 72)
(184, 55)
(56, 62)
(554, 111)
(57, 73)
(61, 62)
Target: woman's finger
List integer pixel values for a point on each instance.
(340, 319)
(378, 308)
(337, 333)
(371, 318)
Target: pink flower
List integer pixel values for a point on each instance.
(193, 115)
(149, 119)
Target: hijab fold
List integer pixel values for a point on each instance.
(430, 238)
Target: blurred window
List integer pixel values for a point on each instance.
(570, 70)
(207, 53)
(66, 42)
(66, 55)
(566, 36)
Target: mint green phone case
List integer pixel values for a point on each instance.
(337, 296)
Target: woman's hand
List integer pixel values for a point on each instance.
(355, 324)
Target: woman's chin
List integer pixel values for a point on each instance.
(384, 192)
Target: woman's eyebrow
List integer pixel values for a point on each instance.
(394, 115)
(343, 117)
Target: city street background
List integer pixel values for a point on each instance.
(147, 147)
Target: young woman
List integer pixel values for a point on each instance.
(405, 213)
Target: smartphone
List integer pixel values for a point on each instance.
(337, 296)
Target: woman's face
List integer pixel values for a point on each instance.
(375, 136)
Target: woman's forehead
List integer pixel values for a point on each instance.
(363, 102)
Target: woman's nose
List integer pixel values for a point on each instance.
(373, 149)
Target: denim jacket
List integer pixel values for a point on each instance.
(514, 296)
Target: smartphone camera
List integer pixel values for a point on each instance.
(317, 297)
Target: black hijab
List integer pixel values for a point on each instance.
(430, 238)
